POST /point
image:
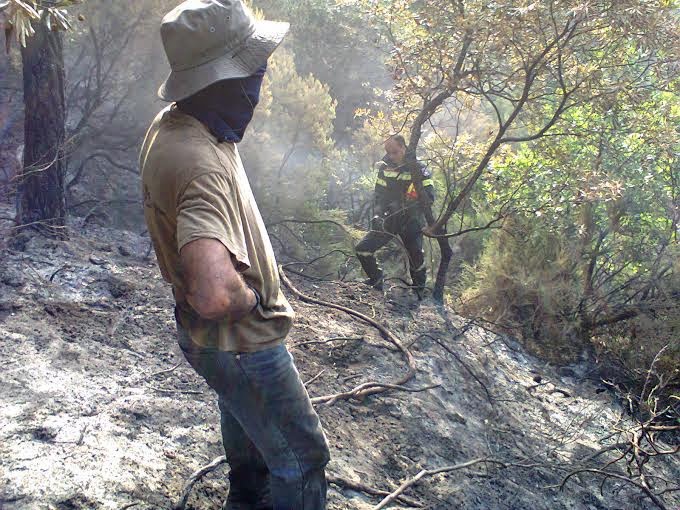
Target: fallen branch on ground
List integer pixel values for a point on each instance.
(195, 477)
(62, 268)
(350, 377)
(555, 389)
(334, 479)
(166, 371)
(360, 392)
(334, 339)
(638, 444)
(367, 388)
(617, 446)
(360, 487)
(430, 472)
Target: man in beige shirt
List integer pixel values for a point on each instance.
(212, 246)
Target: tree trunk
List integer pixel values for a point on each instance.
(446, 252)
(40, 199)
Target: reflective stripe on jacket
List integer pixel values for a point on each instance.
(395, 189)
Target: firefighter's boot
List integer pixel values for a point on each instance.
(370, 266)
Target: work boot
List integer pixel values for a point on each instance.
(375, 283)
(374, 273)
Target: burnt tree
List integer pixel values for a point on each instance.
(40, 200)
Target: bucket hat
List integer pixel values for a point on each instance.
(207, 41)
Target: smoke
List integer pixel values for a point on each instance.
(114, 63)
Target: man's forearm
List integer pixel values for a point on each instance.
(242, 301)
(216, 290)
(233, 302)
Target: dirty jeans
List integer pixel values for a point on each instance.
(273, 440)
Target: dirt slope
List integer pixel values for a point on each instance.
(92, 414)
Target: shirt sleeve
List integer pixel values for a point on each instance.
(209, 208)
(380, 191)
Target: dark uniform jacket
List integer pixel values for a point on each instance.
(396, 199)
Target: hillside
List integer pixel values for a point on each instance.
(99, 410)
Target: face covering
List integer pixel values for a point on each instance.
(226, 107)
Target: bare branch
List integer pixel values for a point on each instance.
(195, 477)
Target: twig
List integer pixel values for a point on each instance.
(186, 392)
(166, 371)
(429, 472)
(116, 323)
(650, 371)
(311, 277)
(316, 259)
(360, 487)
(62, 268)
(13, 499)
(350, 377)
(334, 339)
(310, 222)
(314, 378)
(81, 437)
(657, 501)
(361, 391)
(78, 441)
(534, 386)
(562, 392)
(195, 477)
(616, 446)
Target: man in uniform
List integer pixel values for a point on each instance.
(397, 213)
(212, 246)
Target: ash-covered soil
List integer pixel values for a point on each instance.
(99, 410)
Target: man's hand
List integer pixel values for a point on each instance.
(378, 223)
(215, 289)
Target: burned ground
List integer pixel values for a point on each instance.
(99, 409)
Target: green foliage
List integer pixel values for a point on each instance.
(293, 124)
(331, 41)
(589, 257)
(558, 123)
(521, 65)
(523, 282)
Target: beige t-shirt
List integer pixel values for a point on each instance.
(195, 187)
